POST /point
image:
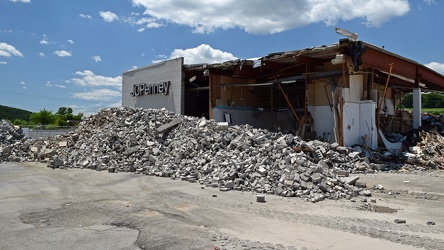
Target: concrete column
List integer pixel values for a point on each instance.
(416, 108)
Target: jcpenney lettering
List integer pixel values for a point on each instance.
(150, 89)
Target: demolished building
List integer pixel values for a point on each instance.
(345, 93)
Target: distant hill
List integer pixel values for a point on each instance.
(14, 113)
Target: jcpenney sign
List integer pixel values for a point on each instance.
(150, 89)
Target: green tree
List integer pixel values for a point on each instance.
(43, 117)
(407, 101)
(429, 100)
(65, 114)
(61, 111)
(432, 100)
(19, 122)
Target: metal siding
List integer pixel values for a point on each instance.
(171, 70)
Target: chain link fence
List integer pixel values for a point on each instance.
(38, 131)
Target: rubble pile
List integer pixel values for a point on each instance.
(421, 150)
(429, 151)
(10, 135)
(162, 143)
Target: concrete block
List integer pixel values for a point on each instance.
(324, 165)
(260, 198)
(262, 171)
(316, 178)
(278, 190)
(350, 180)
(169, 125)
(229, 184)
(367, 193)
(342, 173)
(222, 126)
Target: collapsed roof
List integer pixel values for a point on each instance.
(280, 66)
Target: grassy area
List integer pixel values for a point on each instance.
(433, 111)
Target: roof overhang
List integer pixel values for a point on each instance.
(410, 74)
(407, 70)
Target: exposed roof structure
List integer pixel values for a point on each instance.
(406, 73)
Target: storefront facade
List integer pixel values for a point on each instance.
(335, 93)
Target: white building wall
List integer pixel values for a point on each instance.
(351, 125)
(367, 121)
(168, 71)
(323, 120)
(359, 123)
(358, 118)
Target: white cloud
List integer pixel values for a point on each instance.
(430, 2)
(88, 110)
(41, 54)
(88, 78)
(108, 16)
(2, 62)
(438, 67)
(203, 53)
(116, 104)
(148, 22)
(49, 84)
(5, 53)
(96, 58)
(9, 50)
(145, 22)
(70, 41)
(98, 94)
(85, 16)
(21, 1)
(44, 42)
(268, 17)
(62, 53)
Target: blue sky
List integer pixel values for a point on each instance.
(57, 53)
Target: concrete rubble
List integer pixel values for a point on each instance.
(243, 158)
(10, 137)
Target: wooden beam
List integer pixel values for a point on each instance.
(378, 109)
(289, 103)
(386, 85)
(404, 67)
(311, 60)
(210, 106)
(341, 122)
(301, 126)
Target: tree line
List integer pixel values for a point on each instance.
(63, 117)
(429, 100)
(9, 113)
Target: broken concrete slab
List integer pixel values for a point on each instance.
(165, 127)
(350, 180)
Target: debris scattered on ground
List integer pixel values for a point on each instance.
(400, 221)
(260, 198)
(10, 137)
(243, 158)
(375, 208)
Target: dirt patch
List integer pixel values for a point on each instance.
(377, 209)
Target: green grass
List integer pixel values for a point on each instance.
(433, 111)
